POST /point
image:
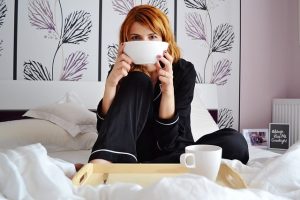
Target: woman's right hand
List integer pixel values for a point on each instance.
(120, 68)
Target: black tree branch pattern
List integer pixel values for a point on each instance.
(122, 6)
(36, 71)
(1, 48)
(3, 11)
(161, 4)
(221, 40)
(225, 118)
(112, 54)
(75, 29)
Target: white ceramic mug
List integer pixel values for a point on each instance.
(203, 159)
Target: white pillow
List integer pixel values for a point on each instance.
(202, 122)
(72, 116)
(54, 138)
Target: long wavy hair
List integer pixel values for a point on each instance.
(156, 21)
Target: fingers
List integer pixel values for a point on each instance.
(121, 67)
(165, 77)
(121, 49)
(165, 74)
(123, 62)
(167, 60)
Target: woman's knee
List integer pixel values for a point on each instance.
(232, 142)
(136, 85)
(136, 79)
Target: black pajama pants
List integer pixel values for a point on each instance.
(123, 137)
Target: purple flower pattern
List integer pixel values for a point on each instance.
(75, 29)
(75, 63)
(221, 40)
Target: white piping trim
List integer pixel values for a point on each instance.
(111, 151)
(158, 94)
(168, 123)
(158, 145)
(100, 116)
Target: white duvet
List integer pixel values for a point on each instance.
(29, 173)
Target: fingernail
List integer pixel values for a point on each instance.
(165, 51)
(158, 56)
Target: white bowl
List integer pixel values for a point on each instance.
(145, 52)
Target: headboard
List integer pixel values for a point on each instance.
(19, 96)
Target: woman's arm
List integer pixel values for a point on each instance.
(119, 70)
(165, 75)
(170, 131)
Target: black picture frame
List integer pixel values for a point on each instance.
(279, 136)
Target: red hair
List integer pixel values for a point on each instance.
(156, 21)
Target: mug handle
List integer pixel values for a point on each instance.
(184, 157)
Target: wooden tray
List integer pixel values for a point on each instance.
(146, 174)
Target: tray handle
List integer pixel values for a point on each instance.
(83, 174)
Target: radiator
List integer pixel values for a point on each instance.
(288, 111)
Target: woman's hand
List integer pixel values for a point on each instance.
(120, 69)
(165, 75)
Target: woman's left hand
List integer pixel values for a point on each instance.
(165, 73)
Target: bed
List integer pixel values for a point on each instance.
(42, 136)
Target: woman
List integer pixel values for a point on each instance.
(144, 115)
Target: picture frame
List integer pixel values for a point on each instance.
(257, 137)
(279, 136)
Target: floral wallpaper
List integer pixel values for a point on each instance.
(208, 32)
(6, 39)
(3, 11)
(65, 27)
(71, 40)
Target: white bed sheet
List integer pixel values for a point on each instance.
(81, 156)
(30, 173)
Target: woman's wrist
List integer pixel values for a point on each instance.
(109, 95)
(167, 105)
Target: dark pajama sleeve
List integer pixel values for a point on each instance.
(124, 121)
(177, 130)
(100, 116)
